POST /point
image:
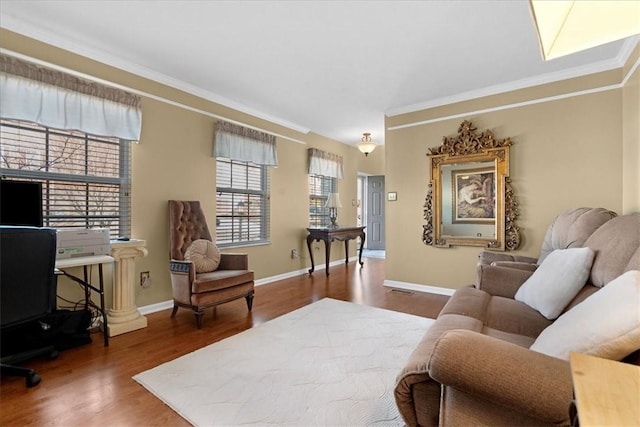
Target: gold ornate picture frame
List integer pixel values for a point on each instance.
(471, 158)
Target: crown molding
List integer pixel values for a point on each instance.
(18, 26)
(617, 62)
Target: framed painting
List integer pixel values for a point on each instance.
(474, 200)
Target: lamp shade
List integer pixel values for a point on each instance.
(366, 146)
(569, 26)
(333, 201)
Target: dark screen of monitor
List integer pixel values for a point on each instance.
(20, 203)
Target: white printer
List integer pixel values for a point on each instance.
(80, 242)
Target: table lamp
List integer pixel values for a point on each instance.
(333, 203)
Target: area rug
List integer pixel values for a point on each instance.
(331, 363)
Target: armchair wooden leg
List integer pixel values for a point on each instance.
(199, 315)
(249, 299)
(174, 311)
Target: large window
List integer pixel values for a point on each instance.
(86, 179)
(242, 203)
(319, 189)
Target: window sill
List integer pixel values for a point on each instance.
(243, 245)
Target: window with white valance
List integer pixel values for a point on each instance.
(243, 157)
(325, 164)
(324, 171)
(54, 99)
(73, 136)
(239, 143)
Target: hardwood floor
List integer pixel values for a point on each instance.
(92, 386)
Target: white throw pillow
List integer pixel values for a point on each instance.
(204, 254)
(606, 324)
(556, 281)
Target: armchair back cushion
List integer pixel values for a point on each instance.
(187, 224)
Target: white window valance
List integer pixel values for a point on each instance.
(325, 164)
(58, 100)
(243, 144)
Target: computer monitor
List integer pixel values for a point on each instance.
(20, 203)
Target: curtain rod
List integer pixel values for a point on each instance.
(141, 93)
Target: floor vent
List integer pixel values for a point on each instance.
(401, 291)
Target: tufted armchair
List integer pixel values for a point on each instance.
(229, 281)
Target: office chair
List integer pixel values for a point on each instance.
(27, 296)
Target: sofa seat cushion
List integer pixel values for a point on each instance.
(220, 279)
(514, 317)
(467, 301)
(499, 313)
(209, 299)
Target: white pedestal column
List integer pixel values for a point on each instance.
(124, 315)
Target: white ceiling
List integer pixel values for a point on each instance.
(330, 67)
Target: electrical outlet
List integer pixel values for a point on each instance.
(294, 254)
(145, 279)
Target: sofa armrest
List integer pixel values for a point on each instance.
(531, 383)
(500, 281)
(488, 257)
(527, 266)
(233, 261)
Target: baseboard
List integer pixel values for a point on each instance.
(418, 288)
(164, 305)
(152, 308)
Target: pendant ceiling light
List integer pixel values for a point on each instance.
(366, 145)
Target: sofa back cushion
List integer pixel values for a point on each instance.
(571, 229)
(617, 248)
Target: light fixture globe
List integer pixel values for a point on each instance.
(365, 145)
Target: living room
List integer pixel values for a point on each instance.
(576, 142)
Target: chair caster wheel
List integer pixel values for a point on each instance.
(32, 379)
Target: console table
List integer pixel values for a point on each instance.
(329, 234)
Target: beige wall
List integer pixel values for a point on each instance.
(566, 153)
(173, 161)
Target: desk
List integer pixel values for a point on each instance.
(607, 392)
(330, 234)
(83, 262)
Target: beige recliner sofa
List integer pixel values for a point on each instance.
(474, 365)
